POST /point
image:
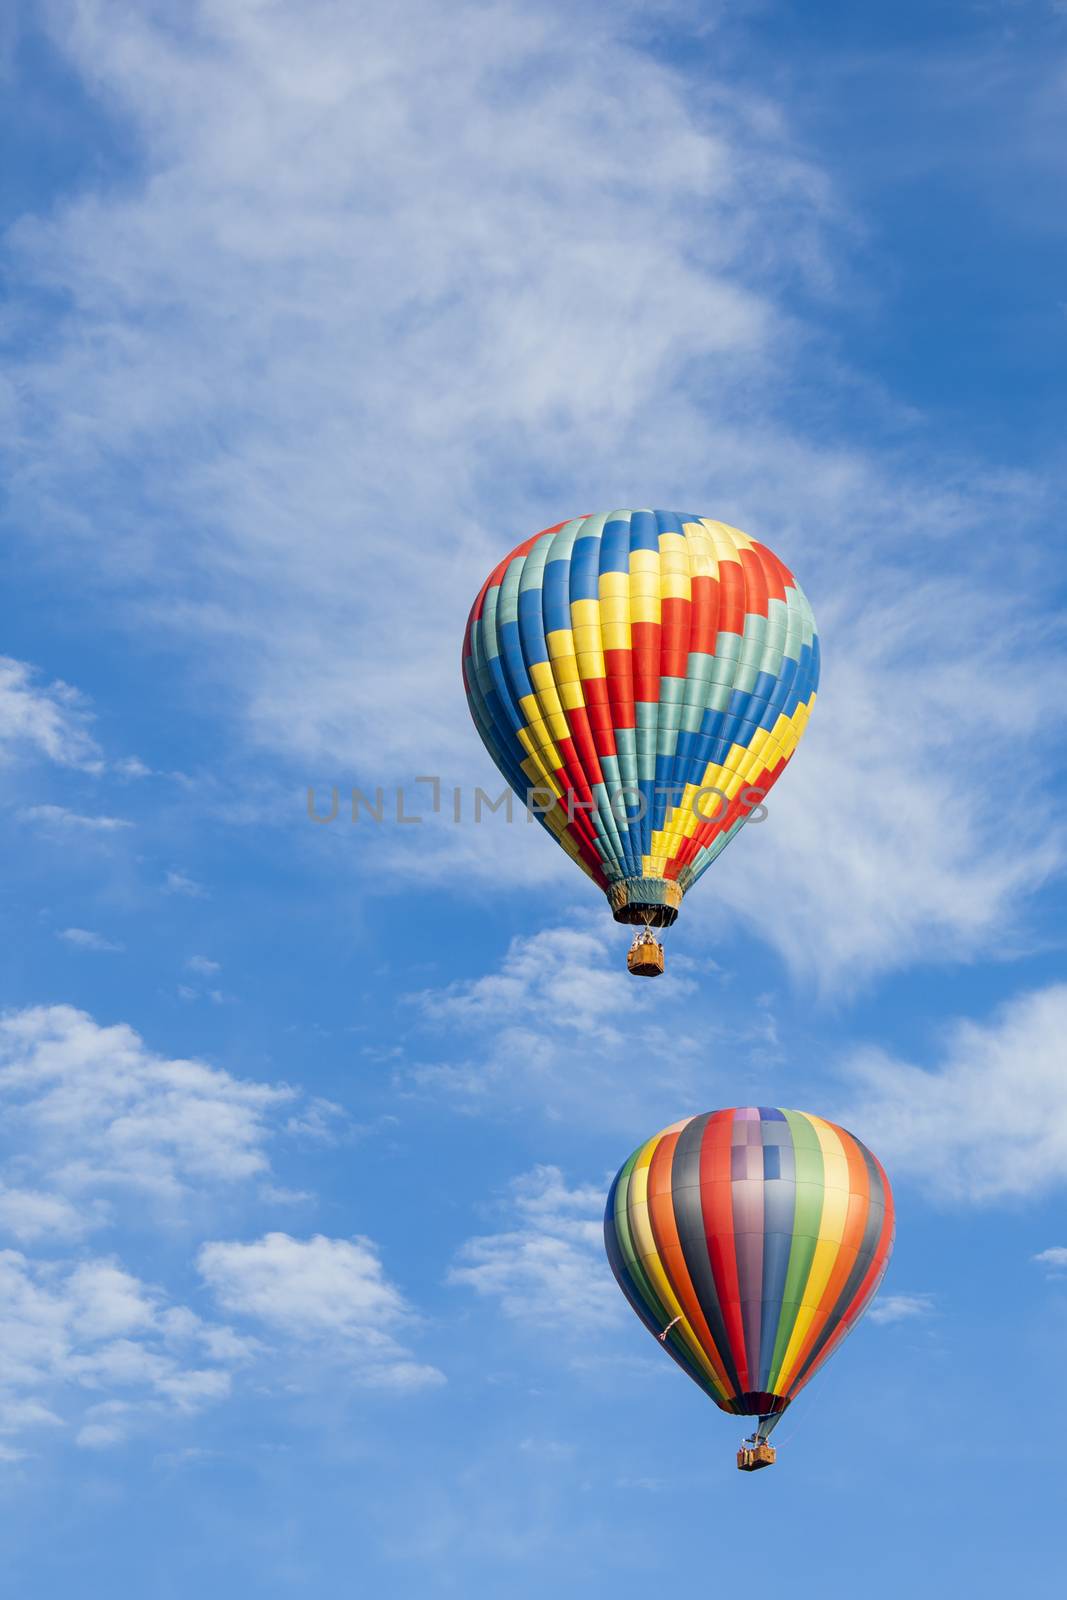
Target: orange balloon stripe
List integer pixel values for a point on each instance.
(665, 1232)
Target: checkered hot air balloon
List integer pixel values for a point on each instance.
(750, 1241)
(641, 679)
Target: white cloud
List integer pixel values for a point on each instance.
(216, 996)
(94, 1112)
(131, 767)
(60, 817)
(558, 976)
(550, 1270)
(106, 1301)
(531, 254)
(86, 939)
(308, 1286)
(990, 1121)
(1055, 1258)
(332, 1293)
(273, 1194)
(105, 1425)
(29, 1214)
(202, 964)
(901, 1308)
(884, 840)
(319, 1119)
(319, 251)
(48, 720)
(71, 1331)
(177, 882)
(552, 1027)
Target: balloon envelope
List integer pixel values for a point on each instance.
(646, 675)
(765, 1233)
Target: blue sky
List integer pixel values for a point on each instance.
(312, 311)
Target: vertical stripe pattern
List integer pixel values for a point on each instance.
(624, 664)
(761, 1235)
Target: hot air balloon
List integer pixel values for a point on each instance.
(641, 679)
(750, 1242)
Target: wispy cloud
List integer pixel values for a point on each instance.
(48, 720)
(31, 1214)
(216, 996)
(1054, 1258)
(72, 1333)
(527, 197)
(86, 939)
(203, 965)
(92, 1115)
(328, 1294)
(594, 346)
(550, 1269)
(990, 1120)
(59, 817)
(560, 976)
(881, 848)
(92, 1112)
(180, 883)
(561, 1028)
(320, 1120)
(131, 767)
(901, 1308)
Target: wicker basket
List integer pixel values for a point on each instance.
(751, 1457)
(645, 958)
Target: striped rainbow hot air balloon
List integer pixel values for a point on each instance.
(750, 1241)
(641, 679)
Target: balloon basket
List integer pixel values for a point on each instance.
(645, 956)
(751, 1457)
